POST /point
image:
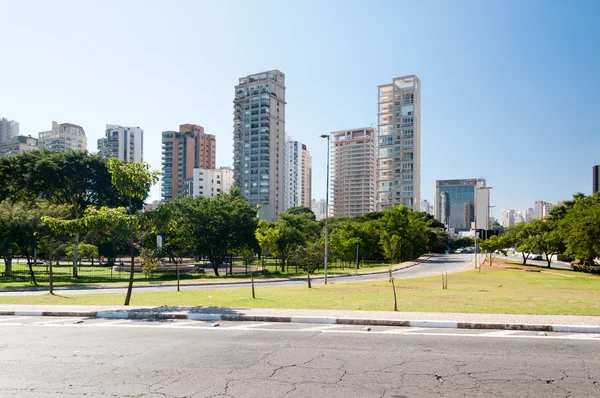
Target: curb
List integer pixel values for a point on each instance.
(195, 316)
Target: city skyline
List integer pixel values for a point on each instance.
(516, 69)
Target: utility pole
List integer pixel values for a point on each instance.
(326, 210)
(357, 247)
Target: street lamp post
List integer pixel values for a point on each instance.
(326, 210)
(487, 221)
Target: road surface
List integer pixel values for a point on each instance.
(61, 357)
(542, 263)
(434, 266)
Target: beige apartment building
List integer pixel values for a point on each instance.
(399, 143)
(182, 152)
(259, 141)
(63, 137)
(353, 172)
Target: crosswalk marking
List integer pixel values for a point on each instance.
(501, 333)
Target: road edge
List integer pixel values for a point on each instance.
(195, 316)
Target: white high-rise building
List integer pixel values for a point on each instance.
(259, 141)
(542, 209)
(319, 208)
(210, 182)
(123, 143)
(63, 137)
(298, 175)
(399, 143)
(353, 172)
(9, 130)
(426, 207)
(508, 218)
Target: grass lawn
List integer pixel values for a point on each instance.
(494, 290)
(89, 275)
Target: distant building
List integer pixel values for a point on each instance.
(426, 207)
(298, 175)
(596, 179)
(528, 215)
(123, 143)
(63, 137)
(18, 144)
(152, 205)
(458, 203)
(353, 172)
(9, 129)
(542, 209)
(318, 207)
(399, 143)
(210, 182)
(182, 152)
(508, 218)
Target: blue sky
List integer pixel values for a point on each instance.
(510, 89)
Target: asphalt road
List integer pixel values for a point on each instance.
(542, 263)
(98, 357)
(434, 266)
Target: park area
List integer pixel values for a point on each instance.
(503, 288)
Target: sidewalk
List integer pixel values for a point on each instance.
(211, 282)
(545, 323)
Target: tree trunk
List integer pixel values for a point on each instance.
(30, 268)
(283, 264)
(524, 258)
(177, 269)
(252, 279)
(75, 254)
(8, 265)
(130, 287)
(549, 259)
(51, 278)
(231, 265)
(395, 299)
(308, 276)
(216, 268)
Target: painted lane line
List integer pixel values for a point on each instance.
(402, 331)
(501, 333)
(46, 322)
(251, 326)
(317, 328)
(14, 318)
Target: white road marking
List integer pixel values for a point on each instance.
(317, 328)
(323, 329)
(250, 326)
(14, 318)
(501, 333)
(48, 321)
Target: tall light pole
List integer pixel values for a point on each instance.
(487, 221)
(326, 210)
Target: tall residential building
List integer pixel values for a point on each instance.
(319, 208)
(528, 215)
(124, 143)
(353, 172)
(210, 182)
(508, 218)
(542, 209)
(18, 144)
(259, 141)
(298, 175)
(182, 152)
(399, 145)
(458, 203)
(596, 179)
(9, 129)
(63, 137)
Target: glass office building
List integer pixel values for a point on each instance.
(455, 202)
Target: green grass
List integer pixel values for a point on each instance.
(494, 290)
(89, 275)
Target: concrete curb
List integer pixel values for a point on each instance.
(311, 320)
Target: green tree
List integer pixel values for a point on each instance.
(309, 257)
(216, 226)
(403, 234)
(345, 238)
(520, 236)
(86, 251)
(494, 245)
(580, 227)
(545, 238)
